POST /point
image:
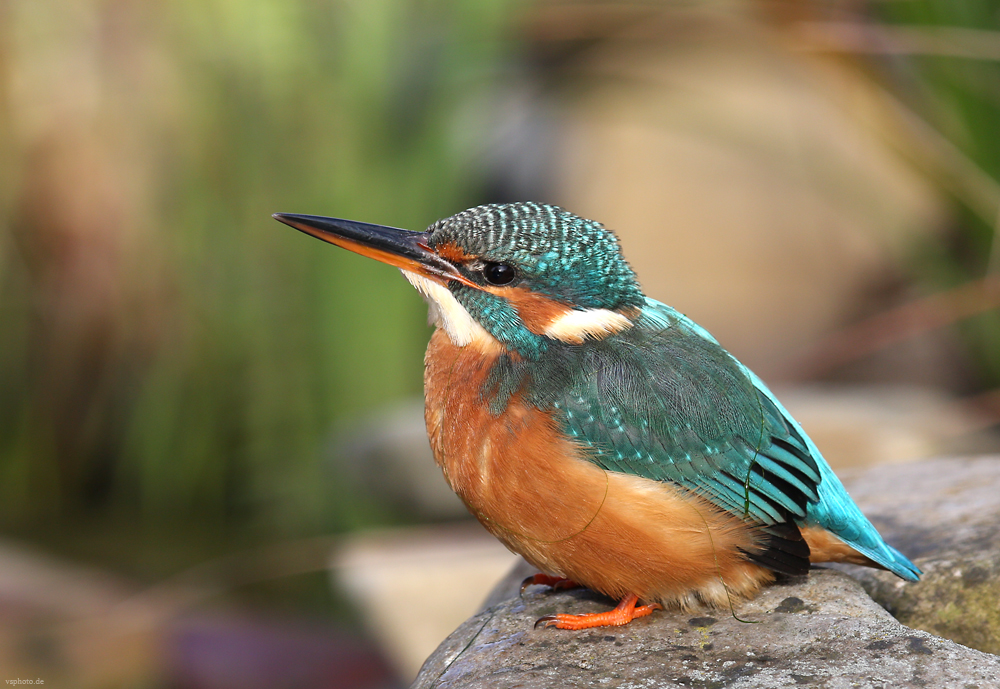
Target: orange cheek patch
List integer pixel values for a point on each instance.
(535, 310)
(551, 318)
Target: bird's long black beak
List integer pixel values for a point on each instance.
(401, 248)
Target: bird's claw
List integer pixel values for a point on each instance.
(547, 621)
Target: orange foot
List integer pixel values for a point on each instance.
(623, 614)
(557, 583)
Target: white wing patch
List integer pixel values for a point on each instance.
(447, 314)
(576, 326)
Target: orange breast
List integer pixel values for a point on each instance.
(533, 489)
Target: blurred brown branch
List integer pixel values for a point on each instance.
(895, 325)
(879, 39)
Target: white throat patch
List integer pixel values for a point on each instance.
(446, 313)
(572, 327)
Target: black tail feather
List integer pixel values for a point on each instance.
(782, 549)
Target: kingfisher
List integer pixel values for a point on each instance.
(602, 435)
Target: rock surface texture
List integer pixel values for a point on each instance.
(944, 514)
(822, 630)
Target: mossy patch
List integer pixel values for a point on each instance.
(956, 598)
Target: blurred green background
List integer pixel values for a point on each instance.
(173, 363)
(171, 357)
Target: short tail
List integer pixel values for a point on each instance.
(827, 546)
(892, 560)
(838, 514)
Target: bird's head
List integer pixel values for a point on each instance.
(520, 274)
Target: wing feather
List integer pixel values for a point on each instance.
(664, 401)
(667, 404)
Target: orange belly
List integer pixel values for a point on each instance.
(534, 490)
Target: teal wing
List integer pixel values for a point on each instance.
(837, 513)
(664, 401)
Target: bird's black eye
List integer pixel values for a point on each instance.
(498, 274)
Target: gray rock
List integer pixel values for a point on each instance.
(821, 630)
(945, 514)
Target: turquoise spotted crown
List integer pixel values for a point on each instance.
(558, 254)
